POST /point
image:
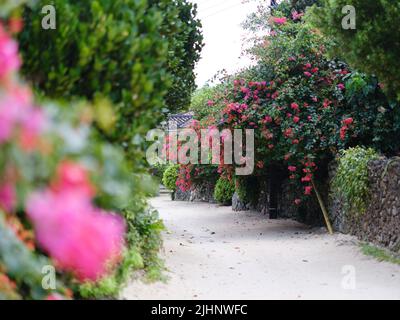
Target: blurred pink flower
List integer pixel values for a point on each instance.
(55, 297)
(32, 125)
(9, 58)
(16, 110)
(81, 238)
(8, 198)
(73, 177)
(279, 21)
(296, 15)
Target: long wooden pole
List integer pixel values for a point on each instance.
(323, 208)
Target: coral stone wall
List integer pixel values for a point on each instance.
(200, 192)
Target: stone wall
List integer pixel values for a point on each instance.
(380, 224)
(203, 192)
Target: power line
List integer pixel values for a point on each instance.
(223, 10)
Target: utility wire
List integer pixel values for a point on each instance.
(223, 10)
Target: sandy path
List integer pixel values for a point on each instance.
(214, 253)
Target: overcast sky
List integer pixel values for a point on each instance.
(223, 36)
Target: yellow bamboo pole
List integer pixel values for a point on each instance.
(323, 208)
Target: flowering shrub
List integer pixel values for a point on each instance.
(303, 106)
(63, 194)
(66, 223)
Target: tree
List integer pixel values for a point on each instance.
(117, 51)
(373, 46)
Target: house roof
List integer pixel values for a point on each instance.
(180, 120)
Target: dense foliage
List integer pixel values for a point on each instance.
(371, 47)
(304, 106)
(224, 190)
(127, 52)
(82, 159)
(182, 29)
(170, 177)
(351, 179)
(53, 189)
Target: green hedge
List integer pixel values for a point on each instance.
(224, 190)
(118, 51)
(351, 179)
(170, 176)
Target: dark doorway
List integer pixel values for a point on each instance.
(275, 187)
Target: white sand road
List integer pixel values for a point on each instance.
(213, 253)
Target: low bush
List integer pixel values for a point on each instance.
(224, 190)
(351, 179)
(170, 177)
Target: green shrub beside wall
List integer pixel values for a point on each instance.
(224, 190)
(170, 176)
(351, 179)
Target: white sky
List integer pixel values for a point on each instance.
(223, 36)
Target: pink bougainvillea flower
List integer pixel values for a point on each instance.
(55, 297)
(341, 86)
(32, 125)
(279, 20)
(268, 119)
(308, 190)
(348, 121)
(297, 202)
(296, 119)
(8, 198)
(314, 70)
(9, 58)
(295, 141)
(260, 164)
(288, 133)
(294, 106)
(275, 95)
(343, 131)
(73, 177)
(296, 15)
(308, 74)
(308, 66)
(16, 111)
(210, 103)
(81, 238)
(292, 168)
(327, 103)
